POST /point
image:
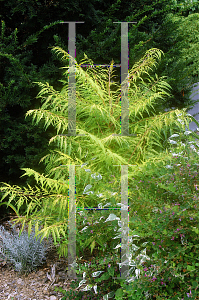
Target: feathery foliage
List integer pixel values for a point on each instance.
(97, 117)
(25, 58)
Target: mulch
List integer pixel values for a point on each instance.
(51, 257)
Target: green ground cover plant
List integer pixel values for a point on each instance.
(172, 270)
(147, 155)
(171, 230)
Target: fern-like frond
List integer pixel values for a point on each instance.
(94, 149)
(53, 185)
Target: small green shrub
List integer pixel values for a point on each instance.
(72, 293)
(164, 228)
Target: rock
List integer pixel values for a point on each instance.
(53, 298)
(20, 281)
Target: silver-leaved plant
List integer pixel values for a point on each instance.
(26, 253)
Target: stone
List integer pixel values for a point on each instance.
(53, 298)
